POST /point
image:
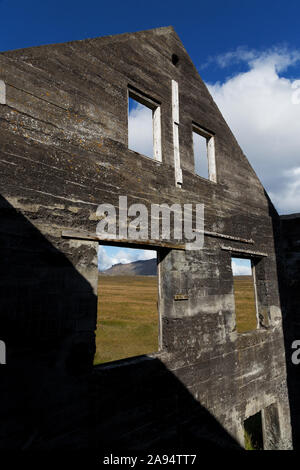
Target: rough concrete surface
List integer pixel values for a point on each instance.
(63, 151)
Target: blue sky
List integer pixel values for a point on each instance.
(248, 54)
(241, 267)
(110, 255)
(140, 132)
(207, 30)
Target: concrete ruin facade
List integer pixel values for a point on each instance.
(63, 151)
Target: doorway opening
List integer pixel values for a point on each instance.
(127, 317)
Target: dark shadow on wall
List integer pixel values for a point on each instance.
(44, 303)
(141, 406)
(51, 397)
(289, 300)
(290, 230)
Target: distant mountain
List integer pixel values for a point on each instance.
(137, 268)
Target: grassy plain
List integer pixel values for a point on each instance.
(128, 319)
(245, 308)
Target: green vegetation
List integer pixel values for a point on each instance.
(245, 308)
(253, 433)
(248, 442)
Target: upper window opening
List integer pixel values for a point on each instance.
(204, 153)
(128, 321)
(200, 155)
(244, 294)
(144, 128)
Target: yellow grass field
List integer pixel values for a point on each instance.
(245, 309)
(128, 319)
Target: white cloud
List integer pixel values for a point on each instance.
(104, 261)
(146, 254)
(258, 106)
(240, 270)
(140, 132)
(122, 257)
(281, 57)
(108, 257)
(290, 194)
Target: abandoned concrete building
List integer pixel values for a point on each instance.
(63, 151)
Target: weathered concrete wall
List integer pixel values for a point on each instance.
(63, 151)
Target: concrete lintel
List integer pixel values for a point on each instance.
(144, 244)
(244, 252)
